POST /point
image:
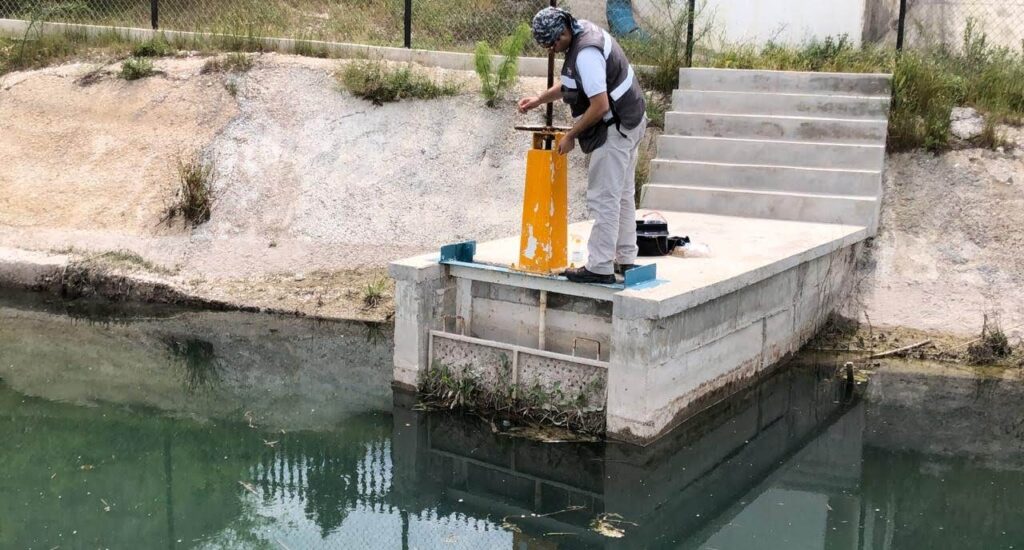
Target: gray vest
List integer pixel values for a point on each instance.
(624, 92)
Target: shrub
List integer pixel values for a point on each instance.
(135, 68)
(991, 346)
(373, 293)
(309, 49)
(194, 198)
(156, 47)
(923, 99)
(494, 86)
(379, 83)
(235, 62)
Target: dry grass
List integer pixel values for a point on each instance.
(233, 62)
(992, 346)
(195, 197)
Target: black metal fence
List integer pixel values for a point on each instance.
(649, 30)
(451, 25)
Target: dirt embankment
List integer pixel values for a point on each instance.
(316, 190)
(951, 245)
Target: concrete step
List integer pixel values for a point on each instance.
(763, 103)
(760, 151)
(789, 128)
(765, 177)
(840, 209)
(735, 80)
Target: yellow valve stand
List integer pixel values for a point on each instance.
(544, 242)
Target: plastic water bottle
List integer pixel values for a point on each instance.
(577, 250)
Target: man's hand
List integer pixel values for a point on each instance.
(566, 144)
(528, 103)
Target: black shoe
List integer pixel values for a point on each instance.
(582, 275)
(621, 269)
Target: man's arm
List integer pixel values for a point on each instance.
(553, 93)
(598, 108)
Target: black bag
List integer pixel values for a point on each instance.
(652, 238)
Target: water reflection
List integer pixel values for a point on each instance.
(215, 430)
(286, 373)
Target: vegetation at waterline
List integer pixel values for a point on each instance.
(993, 347)
(451, 387)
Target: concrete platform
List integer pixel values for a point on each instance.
(659, 354)
(780, 176)
(744, 251)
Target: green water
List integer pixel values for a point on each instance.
(166, 428)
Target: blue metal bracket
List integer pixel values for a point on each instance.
(458, 252)
(641, 274)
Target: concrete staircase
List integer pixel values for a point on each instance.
(778, 145)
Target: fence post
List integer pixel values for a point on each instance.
(408, 23)
(154, 13)
(691, 8)
(549, 113)
(902, 27)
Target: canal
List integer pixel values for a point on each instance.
(158, 427)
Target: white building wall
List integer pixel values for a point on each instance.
(748, 21)
(760, 21)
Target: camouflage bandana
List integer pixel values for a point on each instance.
(548, 25)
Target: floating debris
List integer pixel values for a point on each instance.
(608, 525)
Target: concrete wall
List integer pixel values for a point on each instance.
(510, 315)
(663, 371)
(864, 21)
(758, 21)
(424, 297)
(428, 298)
(944, 21)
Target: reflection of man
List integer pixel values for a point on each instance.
(606, 100)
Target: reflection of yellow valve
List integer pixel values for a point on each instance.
(543, 245)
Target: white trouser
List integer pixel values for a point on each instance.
(611, 183)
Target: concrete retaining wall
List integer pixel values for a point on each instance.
(663, 371)
(528, 66)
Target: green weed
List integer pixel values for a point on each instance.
(310, 49)
(657, 105)
(642, 173)
(235, 62)
(495, 85)
(923, 99)
(135, 68)
(453, 387)
(991, 137)
(377, 82)
(374, 293)
(155, 47)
